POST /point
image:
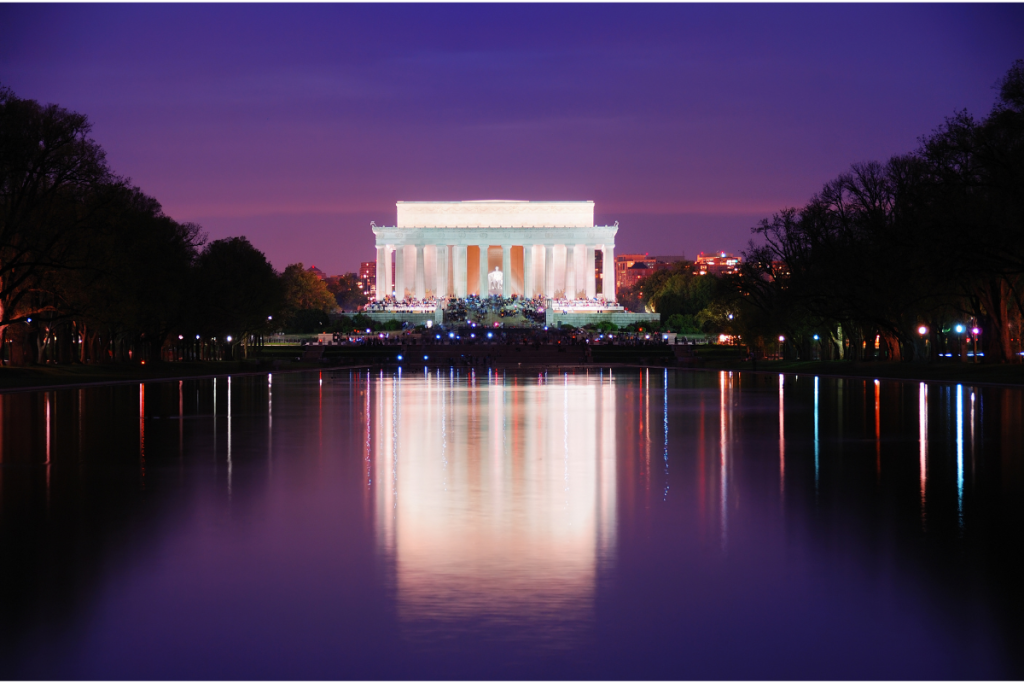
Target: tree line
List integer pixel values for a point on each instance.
(92, 270)
(901, 260)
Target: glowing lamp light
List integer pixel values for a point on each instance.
(959, 329)
(430, 323)
(399, 356)
(367, 330)
(229, 338)
(781, 338)
(816, 337)
(730, 316)
(490, 335)
(647, 336)
(976, 330)
(197, 336)
(425, 357)
(437, 336)
(451, 335)
(28, 320)
(922, 330)
(180, 337)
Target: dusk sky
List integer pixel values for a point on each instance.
(296, 125)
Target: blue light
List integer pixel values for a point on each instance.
(451, 335)
(473, 335)
(490, 335)
(424, 357)
(815, 337)
(399, 356)
(437, 336)
(959, 329)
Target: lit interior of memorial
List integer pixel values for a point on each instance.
(438, 251)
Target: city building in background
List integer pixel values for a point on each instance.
(316, 271)
(367, 281)
(718, 263)
(626, 274)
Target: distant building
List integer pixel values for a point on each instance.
(626, 275)
(316, 271)
(636, 272)
(718, 263)
(367, 281)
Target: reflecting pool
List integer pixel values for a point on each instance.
(431, 523)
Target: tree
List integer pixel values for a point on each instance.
(305, 291)
(345, 289)
(236, 291)
(49, 171)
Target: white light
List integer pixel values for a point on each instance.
(229, 338)
(451, 335)
(197, 336)
(399, 356)
(976, 330)
(959, 329)
(781, 338)
(424, 357)
(815, 337)
(181, 336)
(922, 330)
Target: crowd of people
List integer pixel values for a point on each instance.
(391, 304)
(475, 309)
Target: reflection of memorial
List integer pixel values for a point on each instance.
(496, 500)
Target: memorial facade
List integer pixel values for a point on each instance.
(496, 247)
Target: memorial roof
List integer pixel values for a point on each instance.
(495, 213)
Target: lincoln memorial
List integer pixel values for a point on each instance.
(494, 247)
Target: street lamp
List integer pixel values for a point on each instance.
(922, 330)
(782, 339)
(975, 331)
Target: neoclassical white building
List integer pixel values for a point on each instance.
(494, 247)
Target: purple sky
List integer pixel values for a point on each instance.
(296, 125)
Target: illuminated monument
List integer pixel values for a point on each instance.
(457, 249)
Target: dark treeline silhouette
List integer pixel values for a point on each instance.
(92, 270)
(904, 252)
(897, 261)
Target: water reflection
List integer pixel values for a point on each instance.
(922, 426)
(434, 523)
(486, 511)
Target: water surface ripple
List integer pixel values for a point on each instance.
(591, 524)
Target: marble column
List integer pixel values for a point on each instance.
(590, 278)
(441, 271)
(609, 272)
(389, 276)
(528, 278)
(400, 272)
(379, 284)
(420, 285)
(549, 271)
(483, 271)
(570, 271)
(460, 270)
(506, 270)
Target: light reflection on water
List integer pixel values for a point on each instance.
(480, 523)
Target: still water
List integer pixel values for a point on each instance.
(589, 524)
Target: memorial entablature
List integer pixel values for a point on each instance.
(494, 247)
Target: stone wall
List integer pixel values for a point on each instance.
(553, 317)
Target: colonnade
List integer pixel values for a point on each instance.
(547, 270)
